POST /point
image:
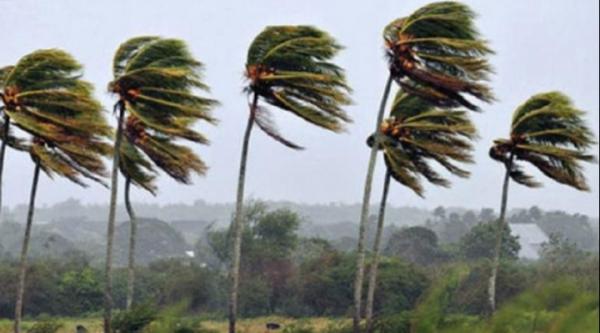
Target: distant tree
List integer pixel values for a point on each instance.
(418, 245)
(550, 133)
(45, 97)
(439, 213)
(290, 68)
(487, 215)
(435, 53)
(469, 218)
(156, 81)
(478, 243)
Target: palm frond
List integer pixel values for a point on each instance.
(290, 67)
(551, 134)
(438, 52)
(158, 80)
(419, 135)
(44, 95)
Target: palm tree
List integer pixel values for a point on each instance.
(437, 54)
(416, 135)
(548, 132)
(45, 97)
(155, 80)
(287, 67)
(145, 148)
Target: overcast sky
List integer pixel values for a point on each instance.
(541, 45)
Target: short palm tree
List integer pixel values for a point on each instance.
(44, 96)
(289, 68)
(417, 135)
(435, 53)
(155, 80)
(548, 132)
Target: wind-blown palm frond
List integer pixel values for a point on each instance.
(437, 54)
(157, 80)
(418, 134)
(548, 132)
(289, 67)
(44, 95)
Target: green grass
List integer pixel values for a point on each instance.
(254, 325)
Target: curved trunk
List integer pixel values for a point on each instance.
(132, 239)
(5, 129)
(238, 222)
(376, 253)
(498, 245)
(110, 234)
(24, 249)
(364, 214)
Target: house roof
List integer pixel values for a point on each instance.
(531, 238)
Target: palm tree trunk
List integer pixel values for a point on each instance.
(238, 222)
(5, 129)
(376, 253)
(24, 249)
(498, 245)
(132, 239)
(364, 214)
(110, 234)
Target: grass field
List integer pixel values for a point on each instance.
(255, 325)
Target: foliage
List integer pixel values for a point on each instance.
(134, 320)
(436, 53)
(44, 95)
(290, 67)
(46, 325)
(156, 81)
(418, 245)
(418, 134)
(479, 243)
(549, 132)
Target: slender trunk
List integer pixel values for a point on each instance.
(132, 239)
(24, 249)
(238, 222)
(376, 253)
(110, 234)
(364, 214)
(498, 245)
(5, 129)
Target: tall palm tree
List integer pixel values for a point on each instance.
(155, 80)
(45, 97)
(289, 68)
(145, 148)
(417, 135)
(548, 132)
(435, 53)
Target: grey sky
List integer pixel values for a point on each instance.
(541, 45)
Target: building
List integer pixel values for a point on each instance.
(531, 238)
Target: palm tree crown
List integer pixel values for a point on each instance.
(44, 96)
(418, 133)
(550, 133)
(156, 80)
(437, 53)
(289, 68)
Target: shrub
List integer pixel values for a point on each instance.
(47, 325)
(134, 320)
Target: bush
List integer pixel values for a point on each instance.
(48, 325)
(134, 320)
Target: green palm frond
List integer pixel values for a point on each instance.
(44, 95)
(418, 135)
(290, 68)
(550, 133)
(158, 81)
(438, 54)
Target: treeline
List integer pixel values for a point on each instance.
(290, 275)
